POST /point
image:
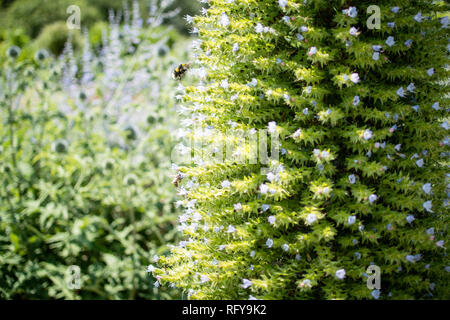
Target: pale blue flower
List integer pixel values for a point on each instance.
(430, 72)
(226, 184)
(311, 218)
(435, 106)
(298, 257)
(235, 47)
(272, 127)
(253, 83)
(357, 255)
(356, 100)
(354, 77)
(373, 198)
(389, 226)
(282, 3)
(390, 41)
(204, 278)
(376, 56)
(401, 92)
(418, 17)
(263, 188)
(410, 218)
(269, 243)
(377, 47)
(285, 247)
(410, 87)
(150, 268)
(231, 229)
(352, 12)
(353, 31)
(445, 126)
(265, 207)
(408, 43)
(410, 258)
(445, 22)
(271, 219)
(340, 274)
(286, 19)
(352, 178)
(428, 205)
(259, 28)
(420, 163)
(430, 231)
(391, 24)
(367, 134)
(156, 284)
(224, 21)
(252, 253)
(375, 294)
(305, 111)
(246, 283)
(427, 188)
(440, 243)
(395, 9)
(304, 29)
(416, 108)
(312, 51)
(351, 220)
(300, 37)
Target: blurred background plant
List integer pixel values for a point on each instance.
(85, 150)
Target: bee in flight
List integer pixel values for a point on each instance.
(180, 71)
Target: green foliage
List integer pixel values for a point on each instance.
(83, 174)
(361, 177)
(54, 37)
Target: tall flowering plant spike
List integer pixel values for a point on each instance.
(360, 180)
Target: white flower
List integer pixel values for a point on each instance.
(312, 50)
(253, 83)
(270, 176)
(252, 253)
(340, 274)
(352, 178)
(204, 278)
(427, 188)
(189, 19)
(304, 29)
(156, 284)
(226, 184)
(259, 28)
(430, 72)
(373, 198)
(238, 206)
(351, 220)
(311, 218)
(269, 243)
(271, 219)
(390, 41)
(231, 229)
(354, 78)
(246, 283)
(224, 21)
(235, 47)
(401, 92)
(155, 258)
(367, 134)
(150, 268)
(272, 127)
(427, 205)
(285, 247)
(263, 188)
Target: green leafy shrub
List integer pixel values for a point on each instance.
(363, 140)
(83, 174)
(54, 37)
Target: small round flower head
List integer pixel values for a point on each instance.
(60, 146)
(408, 43)
(391, 24)
(298, 257)
(246, 283)
(351, 220)
(231, 229)
(237, 206)
(272, 127)
(271, 219)
(353, 31)
(435, 106)
(420, 163)
(430, 72)
(357, 255)
(259, 28)
(418, 17)
(13, 52)
(356, 100)
(150, 268)
(130, 180)
(282, 3)
(410, 87)
(401, 92)
(224, 21)
(252, 253)
(41, 55)
(155, 258)
(440, 243)
(265, 207)
(352, 12)
(297, 134)
(340, 274)
(269, 243)
(285, 247)
(263, 188)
